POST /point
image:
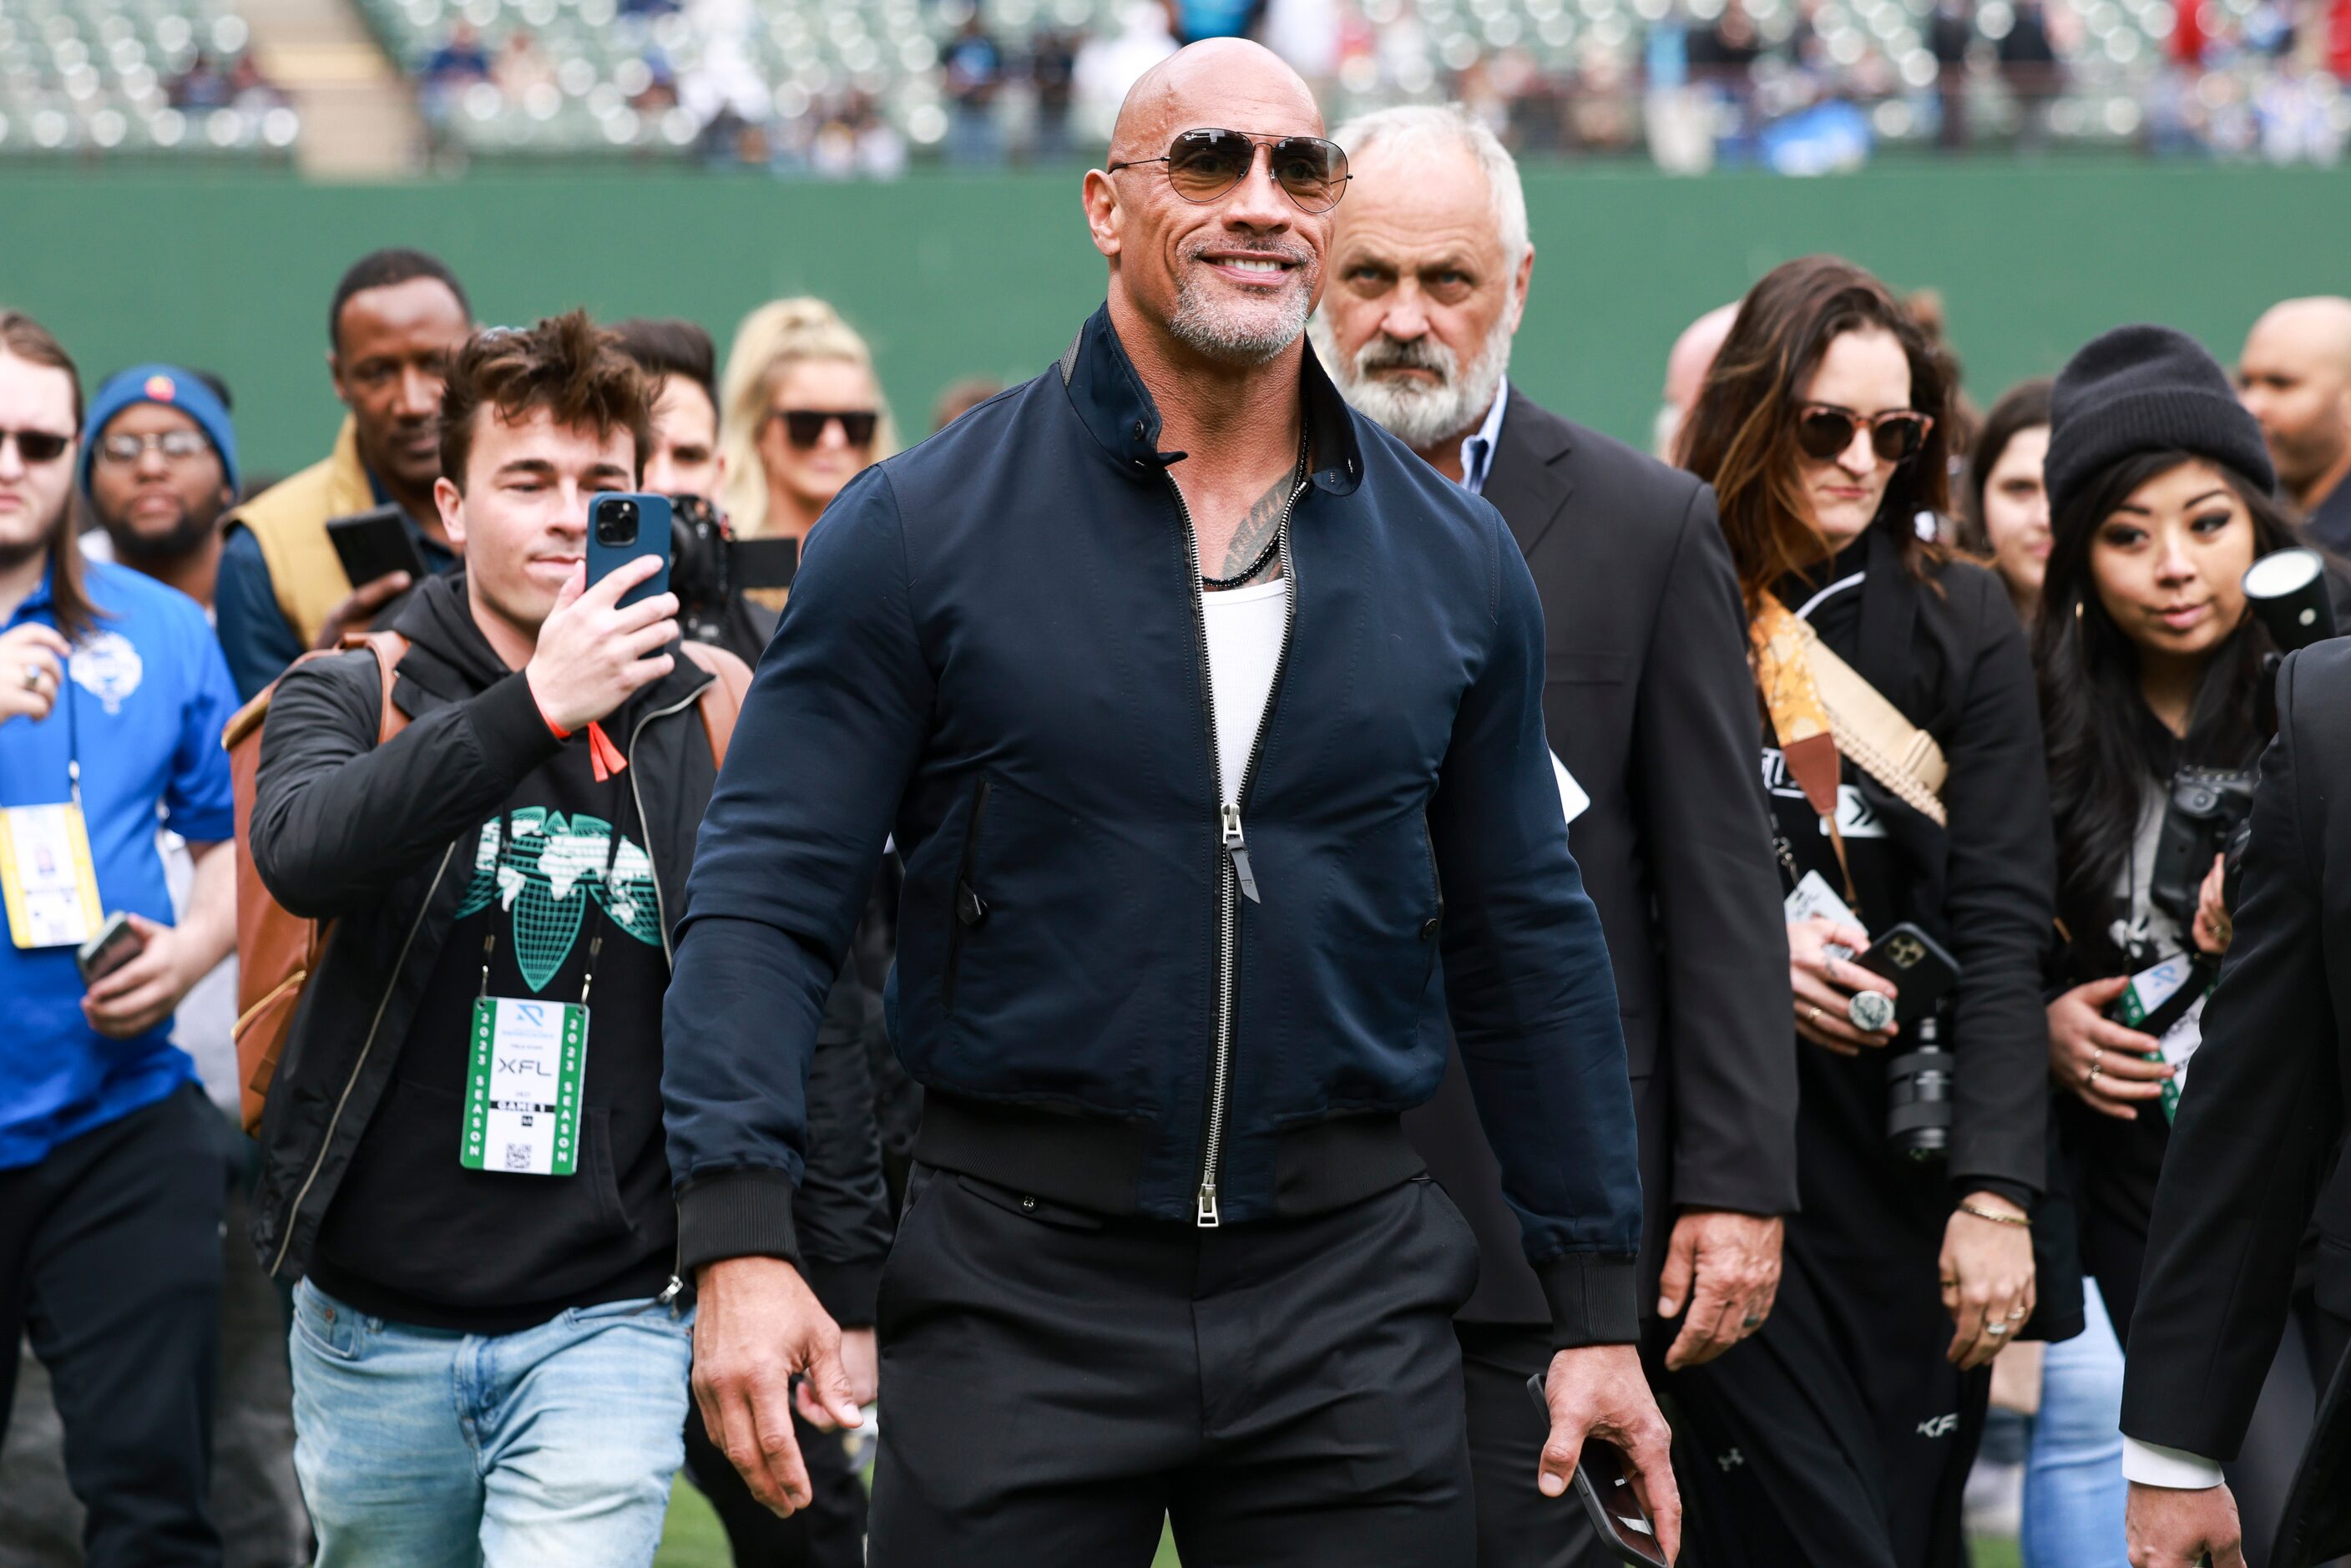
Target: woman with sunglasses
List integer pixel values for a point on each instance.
(2149, 666)
(1843, 1433)
(802, 415)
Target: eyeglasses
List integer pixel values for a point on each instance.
(176, 445)
(805, 426)
(1824, 430)
(35, 446)
(1204, 164)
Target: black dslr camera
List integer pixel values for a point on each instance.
(709, 568)
(2206, 807)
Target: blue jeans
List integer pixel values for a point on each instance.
(2074, 1488)
(425, 1448)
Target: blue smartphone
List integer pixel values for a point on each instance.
(622, 526)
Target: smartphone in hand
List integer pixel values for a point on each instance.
(1605, 1485)
(375, 543)
(622, 526)
(117, 943)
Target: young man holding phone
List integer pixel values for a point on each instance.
(112, 1171)
(463, 1157)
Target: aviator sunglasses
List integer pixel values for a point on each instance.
(1204, 164)
(805, 426)
(1824, 430)
(36, 445)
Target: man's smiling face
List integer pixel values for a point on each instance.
(1234, 277)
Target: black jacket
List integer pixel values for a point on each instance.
(995, 646)
(1950, 654)
(1648, 701)
(2256, 1150)
(374, 838)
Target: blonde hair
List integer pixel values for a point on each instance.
(771, 341)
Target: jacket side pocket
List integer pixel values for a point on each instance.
(967, 911)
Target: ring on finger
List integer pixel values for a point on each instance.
(2091, 1077)
(32, 680)
(1751, 1323)
(1997, 1330)
(1813, 1017)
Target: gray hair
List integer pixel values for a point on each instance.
(1423, 127)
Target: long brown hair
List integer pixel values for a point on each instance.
(1742, 433)
(23, 338)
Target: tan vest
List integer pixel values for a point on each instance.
(289, 521)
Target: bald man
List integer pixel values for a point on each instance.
(1208, 721)
(2296, 376)
(1686, 366)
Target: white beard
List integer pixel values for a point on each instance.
(1233, 335)
(1423, 416)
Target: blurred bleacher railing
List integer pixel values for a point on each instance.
(81, 77)
(864, 87)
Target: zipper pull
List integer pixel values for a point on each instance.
(671, 1292)
(1208, 1218)
(1237, 847)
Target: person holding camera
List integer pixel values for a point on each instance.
(1903, 762)
(462, 1149)
(2152, 674)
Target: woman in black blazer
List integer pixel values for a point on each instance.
(1843, 1431)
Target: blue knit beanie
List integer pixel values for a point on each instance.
(174, 387)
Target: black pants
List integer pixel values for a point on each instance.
(829, 1532)
(110, 1258)
(1518, 1527)
(1287, 1392)
(1828, 1437)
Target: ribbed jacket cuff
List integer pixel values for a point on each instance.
(846, 1291)
(510, 729)
(1594, 1299)
(744, 1213)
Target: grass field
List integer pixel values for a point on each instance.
(692, 1540)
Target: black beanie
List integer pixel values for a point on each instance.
(2146, 389)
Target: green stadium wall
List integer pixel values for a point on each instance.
(952, 277)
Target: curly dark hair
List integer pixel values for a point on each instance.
(566, 364)
(1742, 433)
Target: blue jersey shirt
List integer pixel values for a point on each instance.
(150, 695)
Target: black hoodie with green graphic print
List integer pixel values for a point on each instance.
(511, 839)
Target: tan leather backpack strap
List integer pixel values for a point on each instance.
(722, 699)
(389, 648)
(1878, 736)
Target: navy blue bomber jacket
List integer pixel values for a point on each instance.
(995, 649)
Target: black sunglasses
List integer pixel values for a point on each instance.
(36, 445)
(805, 426)
(1824, 430)
(1204, 164)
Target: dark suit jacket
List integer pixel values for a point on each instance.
(1650, 705)
(2255, 1151)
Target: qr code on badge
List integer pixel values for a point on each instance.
(518, 1156)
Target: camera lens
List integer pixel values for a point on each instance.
(616, 523)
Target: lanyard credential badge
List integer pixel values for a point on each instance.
(522, 1086)
(49, 879)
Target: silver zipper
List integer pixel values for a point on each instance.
(293, 1210)
(1233, 876)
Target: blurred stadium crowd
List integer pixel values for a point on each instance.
(846, 88)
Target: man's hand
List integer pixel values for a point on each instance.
(354, 612)
(861, 1357)
(2174, 1527)
(1598, 1391)
(1735, 1260)
(756, 1327)
(593, 654)
(31, 670)
(145, 991)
